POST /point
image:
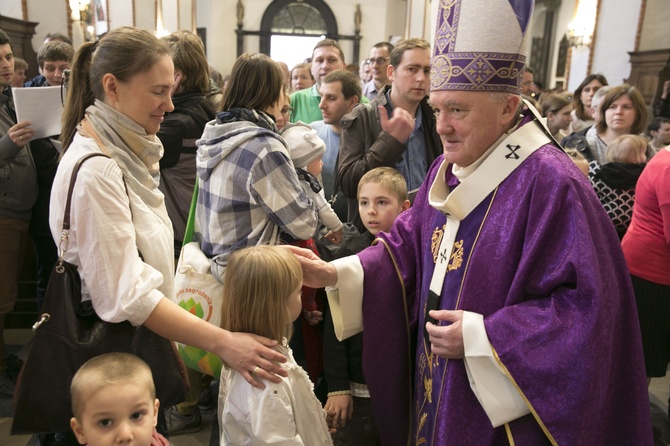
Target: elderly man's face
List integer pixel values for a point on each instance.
(469, 122)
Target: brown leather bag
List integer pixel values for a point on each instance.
(68, 334)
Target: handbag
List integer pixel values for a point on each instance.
(68, 334)
(197, 291)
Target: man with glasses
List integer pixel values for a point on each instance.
(397, 129)
(379, 64)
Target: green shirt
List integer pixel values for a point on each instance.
(305, 105)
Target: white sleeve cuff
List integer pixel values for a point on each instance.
(346, 297)
(493, 388)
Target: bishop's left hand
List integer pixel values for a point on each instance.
(446, 340)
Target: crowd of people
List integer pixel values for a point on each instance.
(488, 286)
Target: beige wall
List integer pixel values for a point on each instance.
(380, 19)
(219, 17)
(52, 16)
(655, 33)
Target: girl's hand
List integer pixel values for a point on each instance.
(335, 237)
(339, 408)
(313, 317)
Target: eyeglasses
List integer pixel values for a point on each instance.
(379, 60)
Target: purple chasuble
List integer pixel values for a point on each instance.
(542, 263)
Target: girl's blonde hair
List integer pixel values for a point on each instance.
(618, 152)
(256, 286)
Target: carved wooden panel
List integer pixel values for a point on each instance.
(21, 33)
(649, 69)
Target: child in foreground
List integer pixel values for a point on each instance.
(261, 295)
(114, 401)
(382, 196)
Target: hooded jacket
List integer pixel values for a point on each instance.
(249, 191)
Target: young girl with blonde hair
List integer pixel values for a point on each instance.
(261, 294)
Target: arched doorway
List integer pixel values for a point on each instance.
(312, 18)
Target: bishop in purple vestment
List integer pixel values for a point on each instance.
(541, 262)
(499, 309)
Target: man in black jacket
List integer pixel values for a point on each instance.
(396, 130)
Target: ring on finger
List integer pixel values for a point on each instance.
(255, 370)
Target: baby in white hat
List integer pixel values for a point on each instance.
(306, 150)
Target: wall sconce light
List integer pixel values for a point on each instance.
(578, 35)
(580, 30)
(81, 12)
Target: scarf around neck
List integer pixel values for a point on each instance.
(136, 152)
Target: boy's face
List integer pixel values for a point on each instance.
(378, 208)
(124, 413)
(53, 71)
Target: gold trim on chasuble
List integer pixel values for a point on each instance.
(426, 358)
(410, 360)
(508, 431)
(530, 406)
(456, 258)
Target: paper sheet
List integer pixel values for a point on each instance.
(42, 106)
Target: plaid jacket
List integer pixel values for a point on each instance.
(249, 191)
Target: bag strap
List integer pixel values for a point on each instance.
(65, 232)
(190, 222)
(73, 179)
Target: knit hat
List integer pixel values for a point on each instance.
(303, 143)
(480, 45)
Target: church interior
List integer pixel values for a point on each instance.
(627, 41)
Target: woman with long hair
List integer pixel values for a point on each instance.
(249, 191)
(558, 111)
(622, 112)
(581, 101)
(121, 238)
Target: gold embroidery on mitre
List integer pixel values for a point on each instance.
(436, 240)
(456, 259)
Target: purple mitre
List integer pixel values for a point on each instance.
(480, 45)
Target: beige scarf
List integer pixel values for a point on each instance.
(136, 152)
